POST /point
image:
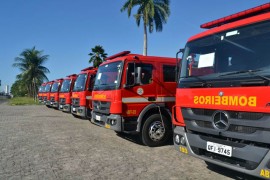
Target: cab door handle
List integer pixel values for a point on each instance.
(151, 98)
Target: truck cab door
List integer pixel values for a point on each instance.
(140, 87)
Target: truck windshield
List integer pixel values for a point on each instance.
(42, 88)
(55, 87)
(48, 88)
(109, 76)
(80, 82)
(227, 57)
(65, 85)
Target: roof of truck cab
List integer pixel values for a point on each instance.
(232, 25)
(138, 57)
(90, 70)
(58, 80)
(72, 76)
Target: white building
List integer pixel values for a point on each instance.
(7, 89)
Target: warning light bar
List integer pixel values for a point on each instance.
(123, 53)
(238, 16)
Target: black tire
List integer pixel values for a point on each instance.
(154, 124)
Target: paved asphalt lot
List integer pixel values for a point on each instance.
(41, 143)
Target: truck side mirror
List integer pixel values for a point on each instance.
(138, 75)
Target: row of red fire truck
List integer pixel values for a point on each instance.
(215, 101)
(128, 93)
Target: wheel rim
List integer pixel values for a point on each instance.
(156, 131)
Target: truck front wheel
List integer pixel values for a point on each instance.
(154, 132)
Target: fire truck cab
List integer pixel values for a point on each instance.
(82, 93)
(65, 93)
(54, 94)
(222, 106)
(134, 94)
(41, 91)
(46, 99)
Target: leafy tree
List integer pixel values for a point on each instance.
(33, 73)
(154, 13)
(18, 89)
(97, 56)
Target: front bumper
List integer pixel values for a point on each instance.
(245, 158)
(47, 103)
(112, 121)
(65, 107)
(54, 104)
(79, 111)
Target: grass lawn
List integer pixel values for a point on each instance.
(22, 101)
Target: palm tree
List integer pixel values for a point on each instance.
(30, 62)
(97, 56)
(154, 13)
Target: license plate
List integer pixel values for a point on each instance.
(73, 109)
(61, 106)
(98, 118)
(219, 149)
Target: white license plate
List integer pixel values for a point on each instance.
(61, 106)
(73, 109)
(219, 148)
(98, 118)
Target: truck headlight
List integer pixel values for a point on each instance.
(179, 140)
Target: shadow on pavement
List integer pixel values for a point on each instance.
(135, 138)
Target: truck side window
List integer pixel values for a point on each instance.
(146, 76)
(92, 82)
(168, 73)
(132, 74)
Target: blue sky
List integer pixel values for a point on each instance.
(66, 30)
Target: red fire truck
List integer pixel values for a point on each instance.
(82, 93)
(54, 94)
(65, 93)
(222, 100)
(46, 99)
(134, 94)
(41, 90)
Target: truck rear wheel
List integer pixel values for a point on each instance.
(154, 132)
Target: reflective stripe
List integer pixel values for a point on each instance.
(88, 97)
(141, 100)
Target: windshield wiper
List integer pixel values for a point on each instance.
(251, 72)
(201, 83)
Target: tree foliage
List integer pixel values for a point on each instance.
(153, 13)
(18, 89)
(33, 73)
(97, 56)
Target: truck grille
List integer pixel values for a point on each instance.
(76, 102)
(243, 126)
(232, 114)
(102, 107)
(62, 100)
